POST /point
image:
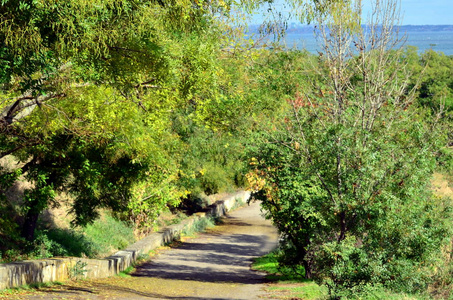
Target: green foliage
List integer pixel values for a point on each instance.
(445, 159)
(433, 74)
(345, 174)
(95, 85)
(214, 131)
(442, 285)
(129, 105)
(211, 160)
(352, 212)
(57, 242)
(9, 233)
(436, 86)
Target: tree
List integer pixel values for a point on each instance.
(345, 175)
(88, 92)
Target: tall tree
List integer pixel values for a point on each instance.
(345, 176)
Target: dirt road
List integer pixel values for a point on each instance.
(214, 265)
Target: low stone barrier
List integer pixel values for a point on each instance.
(60, 269)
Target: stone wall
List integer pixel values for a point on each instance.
(60, 269)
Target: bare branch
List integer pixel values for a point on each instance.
(11, 151)
(23, 106)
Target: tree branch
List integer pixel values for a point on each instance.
(23, 107)
(8, 152)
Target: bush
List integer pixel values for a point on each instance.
(63, 242)
(104, 236)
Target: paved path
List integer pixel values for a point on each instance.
(215, 265)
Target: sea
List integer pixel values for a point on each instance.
(436, 37)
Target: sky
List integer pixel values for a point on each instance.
(414, 12)
(425, 12)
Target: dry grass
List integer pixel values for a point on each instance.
(442, 185)
(442, 287)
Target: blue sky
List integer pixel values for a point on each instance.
(425, 12)
(414, 12)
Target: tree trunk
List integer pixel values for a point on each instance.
(31, 220)
(307, 267)
(342, 235)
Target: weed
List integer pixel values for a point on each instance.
(127, 272)
(62, 242)
(237, 203)
(140, 259)
(102, 238)
(12, 255)
(40, 285)
(78, 270)
(199, 225)
(169, 218)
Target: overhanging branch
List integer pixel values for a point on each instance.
(23, 106)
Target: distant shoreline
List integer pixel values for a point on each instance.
(425, 37)
(298, 28)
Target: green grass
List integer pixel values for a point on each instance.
(303, 290)
(109, 235)
(269, 264)
(100, 239)
(286, 282)
(62, 242)
(126, 273)
(199, 226)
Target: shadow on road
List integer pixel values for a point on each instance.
(116, 292)
(210, 262)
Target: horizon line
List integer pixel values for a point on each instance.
(308, 25)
